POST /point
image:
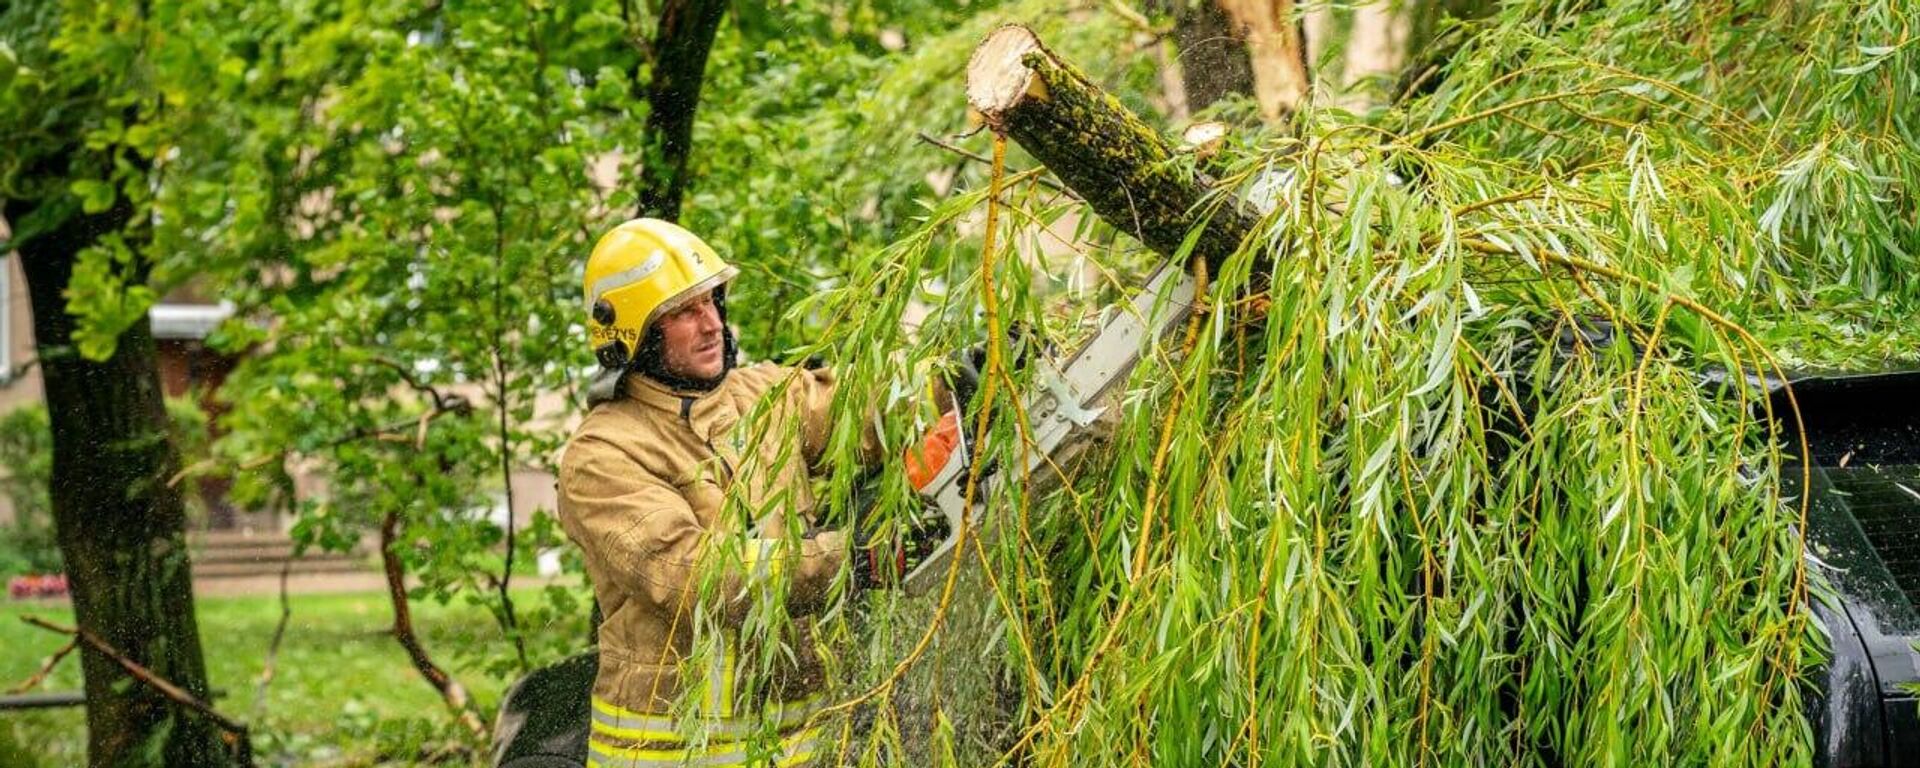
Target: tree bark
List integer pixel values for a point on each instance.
(680, 46)
(1376, 52)
(1105, 154)
(1214, 59)
(1277, 47)
(120, 525)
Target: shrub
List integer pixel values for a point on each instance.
(26, 467)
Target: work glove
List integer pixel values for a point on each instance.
(967, 365)
(884, 563)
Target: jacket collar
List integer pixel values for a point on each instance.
(680, 403)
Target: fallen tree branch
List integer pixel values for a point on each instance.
(1130, 175)
(238, 737)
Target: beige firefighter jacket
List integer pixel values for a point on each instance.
(643, 489)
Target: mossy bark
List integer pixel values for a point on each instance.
(1131, 176)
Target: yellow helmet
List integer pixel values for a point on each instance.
(641, 270)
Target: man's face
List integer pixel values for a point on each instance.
(694, 340)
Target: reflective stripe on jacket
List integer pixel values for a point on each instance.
(643, 487)
(622, 737)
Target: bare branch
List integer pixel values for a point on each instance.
(413, 381)
(237, 733)
(273, 646)
(958, 150)
(450, 689)
(45, 668)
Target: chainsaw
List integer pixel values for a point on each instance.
(1063, 411)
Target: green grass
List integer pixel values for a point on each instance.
(343, 691)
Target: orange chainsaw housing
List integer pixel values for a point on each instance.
(923, 461)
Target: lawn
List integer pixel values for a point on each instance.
(343, 693)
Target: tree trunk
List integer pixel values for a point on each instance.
(120, 525)
(1105, 154)
(1214, 60)
(1376, 52)
(1276, 45)
(680, 47)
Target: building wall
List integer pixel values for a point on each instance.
(16, 349)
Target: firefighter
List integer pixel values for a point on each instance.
(643, 485)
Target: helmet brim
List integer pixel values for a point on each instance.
(690, 293)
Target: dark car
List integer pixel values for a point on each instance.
(1863, 533)
(1863, 433)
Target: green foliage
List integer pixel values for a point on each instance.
(86, 112)
(1388, 528)
(405, 248)
(26, 451)
(342, 691)
(1390, 524)
(425, 237)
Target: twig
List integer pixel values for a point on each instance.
(273, 646)
(413, 382)
(1412, 138)
(416, 428)
(237, 732)
(38, 677)
(1137, 19)
(978, 158)
(1154, 477)
(450, 689)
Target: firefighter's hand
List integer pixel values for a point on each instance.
(885, 561)
(966, 366)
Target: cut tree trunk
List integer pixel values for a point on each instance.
(119, 524)
(1120, 165)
